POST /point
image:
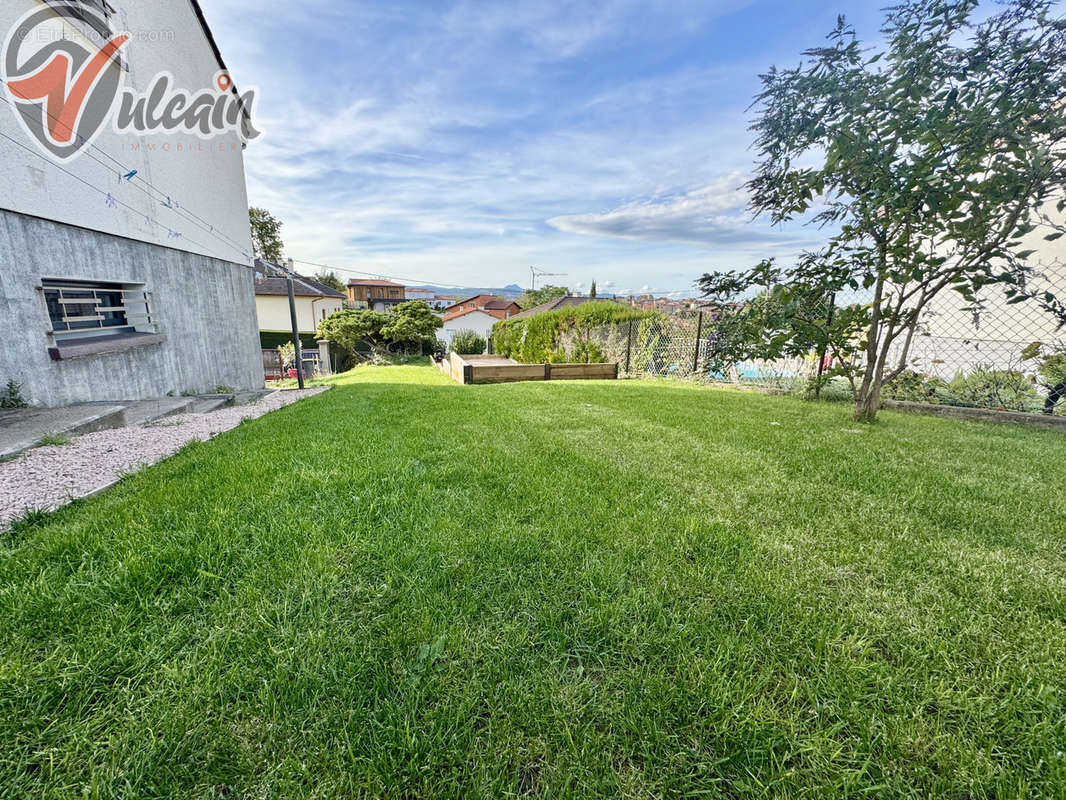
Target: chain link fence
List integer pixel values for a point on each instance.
(999, 355)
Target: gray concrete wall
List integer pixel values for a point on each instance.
(205, 306)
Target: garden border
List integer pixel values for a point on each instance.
(1046, 421)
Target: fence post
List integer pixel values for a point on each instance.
(699, 335)
(825, 345)
(629, 345)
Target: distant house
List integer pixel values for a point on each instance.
(377, 295)
(478, 313)
(427, 296)
(489, 303)
(566, 301)
(474, 319)
(314, 302)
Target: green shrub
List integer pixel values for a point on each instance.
(468, 342)
(995, 388)
(1053, 369)
(918, 388)
(11, 396)
(561, 335)
(287, 352)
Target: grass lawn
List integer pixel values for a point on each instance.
(410, 588)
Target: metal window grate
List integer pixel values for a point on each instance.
(78, 309)
(94, 13)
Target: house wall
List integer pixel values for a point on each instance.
(203, 305)
(477, 321)
(363, 294)
(953, 341)
(204, 177)
(195, 261)
(273, 312)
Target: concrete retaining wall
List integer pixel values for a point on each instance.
(980, 414)
(205, 306)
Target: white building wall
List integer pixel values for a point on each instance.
(952, 341)
(477, 321)
(273, 312)
(205, 178)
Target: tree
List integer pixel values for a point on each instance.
(351, 327)
(785, 321)
(468, 342)
(534, 297)
(592, 291)
(412, 323)
(266, 235)
(331, 280)
(931, 159)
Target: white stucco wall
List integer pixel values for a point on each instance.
(952, 341)
(273, 312)
(204, 177)
(477, 321)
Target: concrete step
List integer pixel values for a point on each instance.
(244, 398)
(23, 428)
(141, 412)
(213, 402)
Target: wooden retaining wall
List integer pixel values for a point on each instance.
(495, 369)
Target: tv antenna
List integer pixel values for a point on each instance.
(536, 273)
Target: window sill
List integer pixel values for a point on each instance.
(101, 345)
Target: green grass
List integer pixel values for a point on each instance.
(53, 440)
(410, 588)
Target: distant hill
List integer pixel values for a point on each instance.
(511, 291)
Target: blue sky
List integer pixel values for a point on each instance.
(461, 142)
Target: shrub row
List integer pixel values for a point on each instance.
(984, 387)
(562, 335)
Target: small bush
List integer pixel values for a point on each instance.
(468, 343)
(918, 388)
(995, 388)
(11, 396)
(287, 353)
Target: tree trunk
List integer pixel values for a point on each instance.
(868, 403)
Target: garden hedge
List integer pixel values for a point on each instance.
(561, 335)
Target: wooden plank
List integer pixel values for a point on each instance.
(583, 371)
(508, 373)
(456, 363)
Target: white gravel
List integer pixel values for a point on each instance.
(48, 477)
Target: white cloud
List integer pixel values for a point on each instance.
(711, 214)
(434, 142)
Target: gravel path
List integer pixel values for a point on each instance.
(48, 477)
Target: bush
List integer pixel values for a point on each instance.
(287, 353)
(995, 388)
(918, 388)
(11, 396)
(560, 335)
(468, 342)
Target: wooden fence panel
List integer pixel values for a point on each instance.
(583, 371)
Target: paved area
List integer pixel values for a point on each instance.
(23, 428)
(45, 478)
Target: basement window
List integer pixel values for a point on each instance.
(93, 317)
(94, 19)
(95, 14)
